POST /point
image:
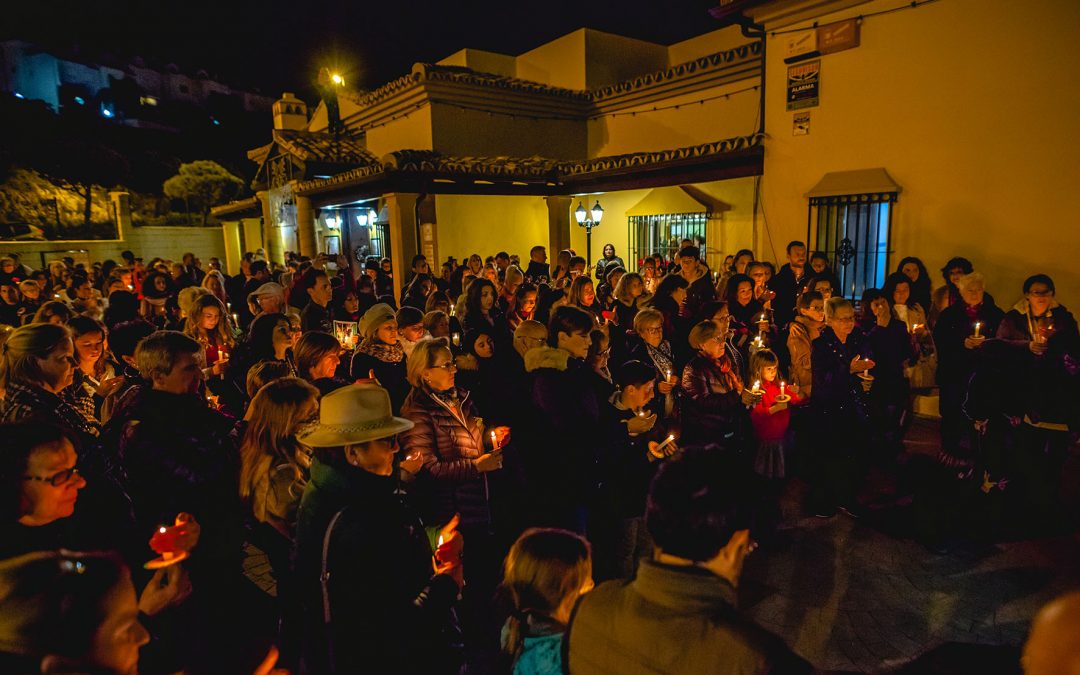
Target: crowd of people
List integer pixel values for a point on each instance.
(358, 482)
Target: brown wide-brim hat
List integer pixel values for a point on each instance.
(357, 413)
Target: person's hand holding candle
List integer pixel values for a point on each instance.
(640, 423)
(448, 551)
(499, 437)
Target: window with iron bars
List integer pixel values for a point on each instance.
(854, 232)
(662, 233)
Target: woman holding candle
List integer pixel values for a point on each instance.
(888, 340)
(840, 406)
(1031, 323)
(582, 295)
(523, 305)
(457, 458)
(957, 349)
(899, 290)
(94, 378)
(715, 401)
(648, 346)
(375, 585)
(669, 299)
(207, 325)
(629, 297)
(918, 280)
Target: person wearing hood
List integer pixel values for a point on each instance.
(377, 584)
(380, 354)
(696, 274)
(566, 397)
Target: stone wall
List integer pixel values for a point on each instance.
(145, 242)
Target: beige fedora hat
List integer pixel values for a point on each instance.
(354, 414)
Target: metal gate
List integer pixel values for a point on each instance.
(662, 233)
(855, 232)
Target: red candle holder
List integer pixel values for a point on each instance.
(174, 544)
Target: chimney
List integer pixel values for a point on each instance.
(290, 112)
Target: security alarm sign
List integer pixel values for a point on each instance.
(803, 85)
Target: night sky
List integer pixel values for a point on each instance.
(276, 45)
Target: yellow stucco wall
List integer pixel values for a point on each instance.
(691, 124)
(413, 132)
(703, 45)
(474, 133)
(560, 63)
(487, 225)
(972, 108)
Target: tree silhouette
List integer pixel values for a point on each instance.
(204, 182)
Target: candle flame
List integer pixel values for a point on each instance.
(161, 530)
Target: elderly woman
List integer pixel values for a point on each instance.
(380, 355)
(457, 450)
(648, 346)
(838, 361)
(960, 331)
(715, 401)
(364, 560)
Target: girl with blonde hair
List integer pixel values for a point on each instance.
(273, 463)
(207, 325)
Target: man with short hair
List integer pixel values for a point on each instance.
(315, 315)
(538, 272)
(787, 282)
(697, 274)
(502, 261)
(678, 614)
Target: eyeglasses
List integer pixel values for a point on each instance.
(526, 338)
(448, 366)
(1041, 294)
(57, 479)
(656, 330)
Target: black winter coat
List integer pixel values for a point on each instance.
(839, 399)
(391, 375)
(956, 362)
(389, 613)
(713, 411)
(449, 440)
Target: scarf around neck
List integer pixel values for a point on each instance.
(394, 353)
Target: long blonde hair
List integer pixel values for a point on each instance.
(24, 346)
(221, 279)
(270, 438)
(222, 335)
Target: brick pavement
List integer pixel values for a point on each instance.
(849, 597)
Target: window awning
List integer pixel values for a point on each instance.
(677, 199)
(858, 182)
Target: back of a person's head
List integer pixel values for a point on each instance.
(262, 373)
(696, 503)
(55, 603)
(126, 335)
(276, 412)
(157, 353)
(1052, 647)
(544, 567)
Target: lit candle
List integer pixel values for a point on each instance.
(236, 319)
(914, 327)
(757, 385)
(494, 444)
(762, 319)
(977, 327)
(782, 385)
(667, 374)
(456, 339)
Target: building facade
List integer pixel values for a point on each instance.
(943, 130)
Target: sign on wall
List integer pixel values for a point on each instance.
(800, 123)
(803, 85)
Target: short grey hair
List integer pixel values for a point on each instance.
(835, 304)
(157, 353)
(973, 279)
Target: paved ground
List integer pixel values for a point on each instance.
(849, 597)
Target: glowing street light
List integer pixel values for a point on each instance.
(582, 217)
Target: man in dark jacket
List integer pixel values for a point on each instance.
(563, 434)
(787, 282)
(538, 271)
(678, 614)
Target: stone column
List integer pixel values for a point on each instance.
(271, 235)
(305, 227)
(230, 230)
(559, 223)
(401, 211)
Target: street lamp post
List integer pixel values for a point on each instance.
(588, 223)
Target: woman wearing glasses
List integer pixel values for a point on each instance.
(648, 346)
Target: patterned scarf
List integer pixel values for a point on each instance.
(384, 352)
(662, 356)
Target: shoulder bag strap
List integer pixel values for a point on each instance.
(324, 584)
